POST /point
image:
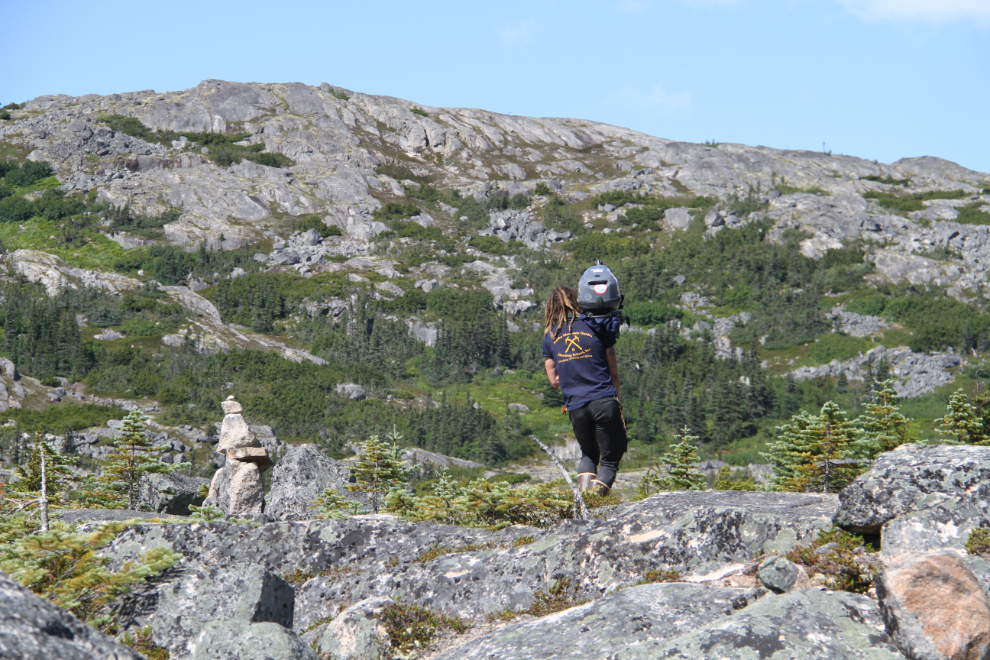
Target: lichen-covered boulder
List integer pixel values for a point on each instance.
(170, 493)
(779, 574)
(302, 474)
(934, 607)
(639, 618)
(808, 624)
(232, 640)
(243, 592)
(357, 632)
(33, 629)
(913, 478)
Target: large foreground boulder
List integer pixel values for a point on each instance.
(300, 477)
(808, 624)
(635, 620)
(34, 629)
(227, 640)
(242, 593)
(914, 478)
(934, 607)
(171, 493)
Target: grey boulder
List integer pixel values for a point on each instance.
(636, 620)
(809, 624)
(225, 640)
(242, 593)
(300, 477)
(34, 629)
(357, 633)
(171, 493)
(780, 575)
(935, 608)
(913, 478)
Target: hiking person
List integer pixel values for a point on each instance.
(579, 357)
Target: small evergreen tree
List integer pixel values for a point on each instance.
(827, 449)
(681, 475)
(379, 468)
(786, 452)
(131, 459)
(883, 426)
(960, 424)
(58, 471)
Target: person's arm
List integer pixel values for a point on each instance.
(613, 368)
(552, 376)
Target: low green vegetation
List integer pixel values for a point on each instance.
(978, 543)
(222, 148)
(58, 419)
(843, 559)
(912, 202)
(413, 627)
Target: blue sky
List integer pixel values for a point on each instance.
(879, 79)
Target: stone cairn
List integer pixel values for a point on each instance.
(237, 488)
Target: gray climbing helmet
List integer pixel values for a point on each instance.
(598, 291)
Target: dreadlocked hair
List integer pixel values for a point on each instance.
(561, 308)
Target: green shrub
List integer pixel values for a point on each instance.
(890, 181)
(978, 542)
(846, 567)
(617, 197)
(414, 230)
(141, 327)
(973, 214)
(869, 306)
(412, 627)
(4, 115)
(651, 313)
(27, 173)
(416, 110)
(271, 159)
(908, 203)
(495, 245)
(542, 189)
(425, 192)
(606, 247)
(454, 305)
(837, 346)
(314, 221)
(395, 211)
(128, 125)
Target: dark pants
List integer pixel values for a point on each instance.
(599, 430)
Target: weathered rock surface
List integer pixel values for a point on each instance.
(705, 536)
(237, 489)
(633, 621)
(914, 478)
(935, 608)
(241, 593)
(357, 632)
(171, 493)
(34, 629)
(780, 575)
(224, 640)
(300, 477)
(802, 624)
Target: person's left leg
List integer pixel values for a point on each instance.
(583, 423)
(611, 435)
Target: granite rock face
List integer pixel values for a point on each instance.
(357, 632)
(225, 640)
(934, 608)
(241, 593)
(802, 624)
(634, 621)
(915, 478)
(171, 493)
(33, 629)
(300, 477)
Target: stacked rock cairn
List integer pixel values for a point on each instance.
(237, 488)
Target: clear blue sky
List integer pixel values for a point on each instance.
(880, 79)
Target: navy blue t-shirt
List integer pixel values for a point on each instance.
(581, 362)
